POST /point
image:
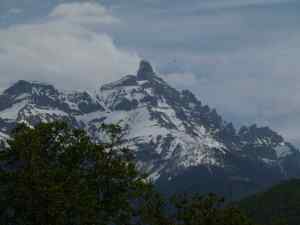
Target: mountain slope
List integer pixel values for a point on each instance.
(280, 202)
(183, 144)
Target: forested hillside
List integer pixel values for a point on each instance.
(281, 202)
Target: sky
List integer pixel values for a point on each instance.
(239, 56)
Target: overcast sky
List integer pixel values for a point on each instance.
(239, 56)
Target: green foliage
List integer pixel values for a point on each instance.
(206, 210)
(53, 174)
(278, 206)
(192, 210)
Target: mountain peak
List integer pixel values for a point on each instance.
(145, 71)
(255, 134)
(23, 86)
(20, 86)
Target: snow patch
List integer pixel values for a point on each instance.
(282, 150)
(13, 112)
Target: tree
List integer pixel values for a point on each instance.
(206, 210)
(53, 174)
(183, 209)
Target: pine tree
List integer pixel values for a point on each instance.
(55, 175)
(52, 174)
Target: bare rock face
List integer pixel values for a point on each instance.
(145, 71)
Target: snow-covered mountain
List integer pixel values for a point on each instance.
(183, 144)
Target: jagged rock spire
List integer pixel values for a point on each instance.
(145, 71)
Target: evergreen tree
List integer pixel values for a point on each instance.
(52, 174)
(55, 175)
(206, 210)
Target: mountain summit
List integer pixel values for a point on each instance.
(145, 71)
(182, 144)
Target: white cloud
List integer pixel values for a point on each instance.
(83, 13)
(64, 49)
